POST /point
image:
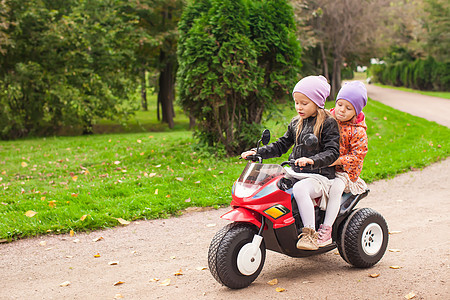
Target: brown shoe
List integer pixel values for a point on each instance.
(307, 239)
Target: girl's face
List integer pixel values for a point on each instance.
(344, 110)
(304, 106)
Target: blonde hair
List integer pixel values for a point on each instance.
(322, 115)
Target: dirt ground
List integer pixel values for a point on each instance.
(415, 205)
(167, 259)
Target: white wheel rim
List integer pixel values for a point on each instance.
(372, 239)
(248, 263)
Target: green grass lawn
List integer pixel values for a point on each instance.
(84, 183)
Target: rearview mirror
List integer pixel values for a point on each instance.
(265, 138)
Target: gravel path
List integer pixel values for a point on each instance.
(427, 107)
(167, 259)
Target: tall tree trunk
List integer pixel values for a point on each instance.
(191, 120)
(336, 78)
(166, 91)
(324, 61)
(144, 91)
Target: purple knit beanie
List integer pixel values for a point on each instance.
(354, 92)
(315, 88)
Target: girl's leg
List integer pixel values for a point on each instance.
(333, 205)
(334, 201)
(304, 191)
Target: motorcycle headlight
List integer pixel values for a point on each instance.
(276, 211)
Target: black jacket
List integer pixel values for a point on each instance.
(323, 154)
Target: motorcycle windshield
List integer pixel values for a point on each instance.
(254, 176)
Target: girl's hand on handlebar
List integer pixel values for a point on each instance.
(248, 153)
(303, 161)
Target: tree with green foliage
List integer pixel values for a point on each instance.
(68, 64)
(236, 58)
(158, 20)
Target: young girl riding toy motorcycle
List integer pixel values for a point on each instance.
(312, 162)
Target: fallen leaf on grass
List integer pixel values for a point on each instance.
(72, 233)
(98, 239)
(30, 213)
(394, 250)
(139, 141)
(272, 282)
(280, 290)
(65, 283)
(187, 200)
(118, 282)
(123, 222)
(23, 164)
(178, 273)
(97, 255)
(410, 295)
(374, 275)
(165, 282)
(113, 263)
(156, 192)
(395, 267)
(152, 175)
(52, 204)
(117, 162)
(75, 178)
(74, 195)
(179, 178)
(83, 217)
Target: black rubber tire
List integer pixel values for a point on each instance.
(223, 252)
(353, 247)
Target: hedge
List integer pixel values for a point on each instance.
(421, 74)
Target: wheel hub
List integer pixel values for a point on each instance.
(372, 239)
(248, 263)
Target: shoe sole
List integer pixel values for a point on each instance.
(305, 248)
(325, 243)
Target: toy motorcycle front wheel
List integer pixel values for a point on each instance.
(363, 238)
(232, 258)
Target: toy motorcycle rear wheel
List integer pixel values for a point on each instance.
(230, 256)
(363, 238)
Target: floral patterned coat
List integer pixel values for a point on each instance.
(353, 146)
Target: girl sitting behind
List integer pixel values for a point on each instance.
(353, 148)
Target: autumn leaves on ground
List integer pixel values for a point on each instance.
(167, 258)
(55, 185)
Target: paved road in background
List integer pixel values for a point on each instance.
(431, 108)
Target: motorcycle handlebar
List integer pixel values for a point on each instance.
(254, 158)
(289, 162)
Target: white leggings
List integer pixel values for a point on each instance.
(304, 192)
(308, 189)
(334, 201)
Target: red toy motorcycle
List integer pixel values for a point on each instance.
(265, 216)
